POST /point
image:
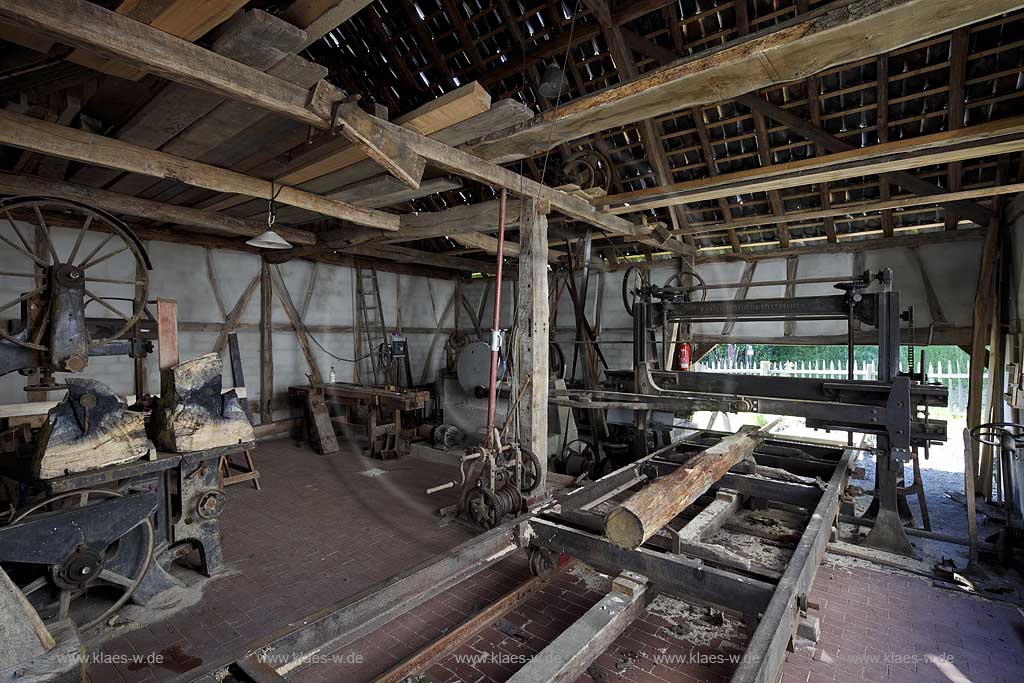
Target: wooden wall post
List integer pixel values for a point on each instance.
(167, 333)
(533, 316)
(266, 344)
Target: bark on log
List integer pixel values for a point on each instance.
(629, 525)
(87, 430)
(192, 413)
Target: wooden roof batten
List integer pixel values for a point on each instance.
(401, 151)
(700, 163)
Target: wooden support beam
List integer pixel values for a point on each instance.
(741, 294)
(533, 323)
(830, 36)
(824, 194)
(218, 223)
(855, 209)
(789, 328)
(466, 165)
(266, 345)
(27, 133)
(569, 655)
(88, 25)
(296, 322)
(934, 303)
(232, 318)
(959, 46)
(319, 17)
(638, 518)
(997, 137)
(828, 142)
(364, 131)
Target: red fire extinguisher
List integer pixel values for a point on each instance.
(683, 357)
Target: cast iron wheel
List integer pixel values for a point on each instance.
(579, 457)
(483, 508)
(118, 568)
(531, 472)
(126, 282)
(631, 290)
(993, 433)
(701, 287)
(542, 562)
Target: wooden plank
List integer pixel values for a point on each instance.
(253, 38)
(741, 293)
(569, 655)
(266, 344)
(361, 129)
(987, 139)
(114, 202)
(533, 322)
(828, 142)
(792, 262)
(27, 133)
(24, 635)
(231, 320)
(830, 36)
(456, 114)
(167, 333)
(640, 516)
(296, 321)
(320, 421)
(856, 208)
(84, 24)
(466, 165)
(334, 154)
(185, 19)
(319, 17)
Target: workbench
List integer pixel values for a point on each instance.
(384, 409)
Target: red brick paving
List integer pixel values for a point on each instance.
(319, 532)
(316, 533)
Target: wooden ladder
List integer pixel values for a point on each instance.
(371, 320)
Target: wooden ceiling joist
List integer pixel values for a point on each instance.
(25, 132)
(14, 184)
(998, 137)
(319, 17)
(85, 24)
(838, 33)
(853, 209)
(830, 143)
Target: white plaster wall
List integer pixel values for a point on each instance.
(180, 273)
(952, 270)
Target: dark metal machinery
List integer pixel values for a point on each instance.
(894, 407)
(80, 546)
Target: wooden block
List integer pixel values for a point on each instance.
(88, 430)
(22, 632)
(193, 414)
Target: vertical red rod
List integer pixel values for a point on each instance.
(492, 394)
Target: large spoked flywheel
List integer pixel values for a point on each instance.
(89, 579)
(70, 262)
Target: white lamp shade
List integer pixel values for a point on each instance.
(269, 240)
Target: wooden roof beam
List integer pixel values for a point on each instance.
(838, 33)
(830, 143)
(461, 163)
(25, 132)
(85, 24)
(852, 209)
(219, 223)
(998, 137)
(319, 17)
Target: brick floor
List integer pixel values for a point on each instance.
(320, 531)
(317, 533)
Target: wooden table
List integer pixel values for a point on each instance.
(384, 435)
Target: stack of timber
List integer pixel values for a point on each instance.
(87, 430)
(192, 413)
(631, 524)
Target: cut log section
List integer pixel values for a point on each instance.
(87, 430)
(192, 413)
(641, 516)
